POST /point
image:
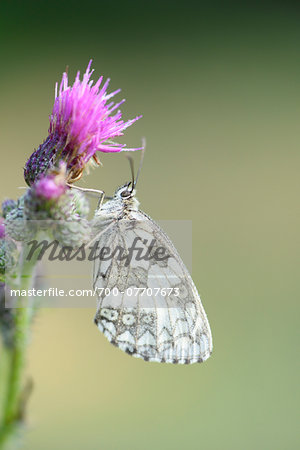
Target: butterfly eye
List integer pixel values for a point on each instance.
(125, 194)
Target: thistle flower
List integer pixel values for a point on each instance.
(15, 223)
(82, 122)
(63, 211)
(50, 187)
(8, 258)
(2, 228)
(7, 206)
(46, 198)
(73, 232)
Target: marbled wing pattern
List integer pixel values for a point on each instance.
(171, 328)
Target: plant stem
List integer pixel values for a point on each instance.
(12, 415)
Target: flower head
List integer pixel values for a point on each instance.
(83, 121)
(44, 198)
(7, 206)
(50, 187)
(2, 228)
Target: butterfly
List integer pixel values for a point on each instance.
(148, 306)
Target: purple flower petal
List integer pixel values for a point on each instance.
(83, 121)
(49, 187)
(2, 228)
(81, 113)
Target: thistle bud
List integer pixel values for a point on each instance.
(7, 206)
(2, 228)
(73, 232)
(15, 223)
(8, 257)
(47, 198)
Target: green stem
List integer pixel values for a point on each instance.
(12, 415)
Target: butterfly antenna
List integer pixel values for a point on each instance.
(130, 159)
(141, 161)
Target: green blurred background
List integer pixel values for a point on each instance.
(218, 85)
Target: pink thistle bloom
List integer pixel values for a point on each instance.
(2, 228)
(52, 185)
(83, 121)
(49, 187)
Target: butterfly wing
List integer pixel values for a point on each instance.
(148, 308)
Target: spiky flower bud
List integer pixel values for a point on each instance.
(15, 223)
(47, 198)
(8, 257)
(2, 228)
(73, 232)
(59, 210)
(7, 206)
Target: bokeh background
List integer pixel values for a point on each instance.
(218, 84)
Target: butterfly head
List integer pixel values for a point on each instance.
(126, 196)
(125, 192)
